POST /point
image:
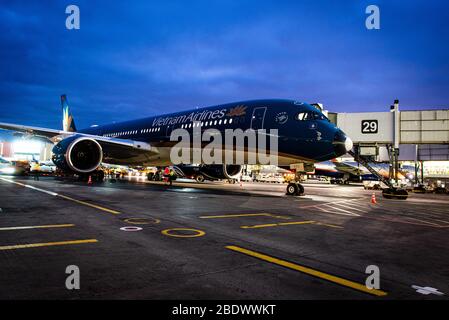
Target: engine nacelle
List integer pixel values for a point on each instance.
(212, 171)
(78, 154)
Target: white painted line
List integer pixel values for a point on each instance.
(323, 204)
(131, 229)
(42, 190)
(422, 221)
(352, 208)
(30, 187)
(444, 221)
(347, 213)
(322, 209)
(427, 290)
(11, 181)
(37, 227)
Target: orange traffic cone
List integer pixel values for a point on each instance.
(373, 198)
(89, 182)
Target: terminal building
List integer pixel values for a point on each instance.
(25, 149)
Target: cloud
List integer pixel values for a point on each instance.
(129, 61)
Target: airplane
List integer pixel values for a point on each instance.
(305, 136)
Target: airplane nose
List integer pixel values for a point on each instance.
(342, 143)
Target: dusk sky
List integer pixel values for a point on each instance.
(132, 59)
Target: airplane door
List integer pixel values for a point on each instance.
(169, 129)
(258, 118)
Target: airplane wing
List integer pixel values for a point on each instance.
(112, 147)
(349, 168)
(34, 131)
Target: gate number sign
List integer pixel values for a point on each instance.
(369, 126)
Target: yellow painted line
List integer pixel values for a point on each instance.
(64, 197)
(295, 222)
(89, 204)
(244, 215)
(46, 244)
(328, 225)
(276, 224)
(37, 227)
(309, 271)
(260, 226)
(142, 220)
(196, 233)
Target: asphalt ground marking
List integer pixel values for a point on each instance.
(131, 229)
(328, 225)
(269, 225)
(46, 244)
(142, 221)
(257, 226)
(173, 233)
(90, 204)
(115, 212)
(309, 271)
(240, 215)
(37, 227)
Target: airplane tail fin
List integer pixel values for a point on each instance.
(68, 124)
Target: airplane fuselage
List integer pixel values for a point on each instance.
(304, 133)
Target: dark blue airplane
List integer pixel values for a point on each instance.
(305, 136)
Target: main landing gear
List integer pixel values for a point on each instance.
(295, 189)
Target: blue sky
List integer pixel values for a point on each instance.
(138, 58)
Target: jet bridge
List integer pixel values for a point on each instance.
(392, 191)
(373, 130)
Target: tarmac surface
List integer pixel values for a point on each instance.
(218, 241)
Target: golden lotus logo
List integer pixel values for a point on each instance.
(237, 111)
(70, 124)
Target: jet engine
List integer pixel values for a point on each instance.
(211, 172)
(78, 154)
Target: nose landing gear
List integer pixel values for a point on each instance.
(295, 189)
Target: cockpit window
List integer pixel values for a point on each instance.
(311, 115)
(320, 116)
(304, 116)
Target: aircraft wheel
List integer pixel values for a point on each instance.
(100, 175)
(300, 190)
(295, 189)
(292, 189)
